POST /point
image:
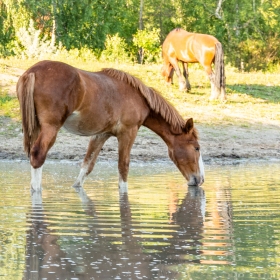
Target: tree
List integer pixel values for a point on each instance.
(148, 42)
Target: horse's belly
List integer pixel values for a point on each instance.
(74, 125)
(186, 57)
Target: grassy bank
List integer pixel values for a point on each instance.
(252, 98)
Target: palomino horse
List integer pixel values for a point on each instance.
(187, 47)
(100, 104)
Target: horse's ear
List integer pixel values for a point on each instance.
(189, 125)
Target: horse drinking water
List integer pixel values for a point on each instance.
(100, 104)
(188, 47)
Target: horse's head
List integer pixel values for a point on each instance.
(185, 153)
(164, 71)
(167, 72)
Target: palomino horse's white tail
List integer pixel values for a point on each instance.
(30, 123)
(220, 69)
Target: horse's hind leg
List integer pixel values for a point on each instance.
(186, 75)
(94, 147)
(39, 152)
(214, 90)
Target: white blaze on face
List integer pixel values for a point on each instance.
(201, 168)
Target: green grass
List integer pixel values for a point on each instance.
(9, 106)
(252, 98)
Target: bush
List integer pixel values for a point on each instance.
(83, 54)
(148, 44)
(259, 55)
(29, 44)
(115, 49)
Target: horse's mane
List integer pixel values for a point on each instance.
(156, 102)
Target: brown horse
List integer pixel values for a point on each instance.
(100, 104)
(187, 47)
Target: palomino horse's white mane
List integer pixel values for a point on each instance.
(156, 102)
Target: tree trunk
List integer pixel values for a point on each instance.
(141, 27)
(54, 27)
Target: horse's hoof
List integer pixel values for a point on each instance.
(183, 88)
(212, 98)
(76, 185)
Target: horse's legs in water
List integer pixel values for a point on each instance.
(36, 178)
(186, 75)
(125, 140)
(95, 144)
(39, 152)
(182, 81)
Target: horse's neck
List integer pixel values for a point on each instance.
(158, 125)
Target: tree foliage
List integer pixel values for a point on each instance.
(147, 43)
(248, 30)
(29, 44)
(115, 49)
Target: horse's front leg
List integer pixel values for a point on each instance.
(186, 75)
(182, 80)
(125, 140)
(95, 145)
(38, 153)
(36, 178)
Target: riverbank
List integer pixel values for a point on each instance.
(223, 144)
(245, 128)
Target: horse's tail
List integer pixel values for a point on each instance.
(30, 123)
(219, 67)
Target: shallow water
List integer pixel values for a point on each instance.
(161, 229)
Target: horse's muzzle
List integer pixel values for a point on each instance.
(196, 181)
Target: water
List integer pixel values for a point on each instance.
(161, 229)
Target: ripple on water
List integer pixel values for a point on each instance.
(161, 229)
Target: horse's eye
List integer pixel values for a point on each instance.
(197, 148)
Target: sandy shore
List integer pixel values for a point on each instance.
(219, 144)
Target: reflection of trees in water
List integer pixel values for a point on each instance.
(129, 256)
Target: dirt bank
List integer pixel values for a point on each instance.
(219, 144)
(227, 144)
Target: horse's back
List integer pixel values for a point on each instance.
(180, 35)
(85, 102)
(187, 46)
(55, 70)
(110, 103)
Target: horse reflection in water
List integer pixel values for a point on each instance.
(44, 258)
(100, 105)
(127, 256)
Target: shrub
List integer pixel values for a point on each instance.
(30, 44)
(148, 44)
(115, 49)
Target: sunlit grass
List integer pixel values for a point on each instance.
(251, 97)
(9, 106)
